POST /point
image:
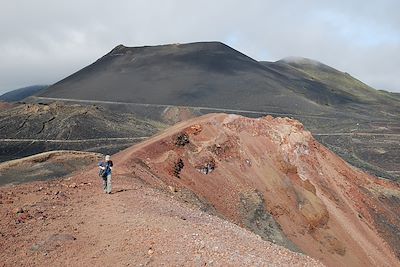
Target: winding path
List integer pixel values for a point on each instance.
(225, 110)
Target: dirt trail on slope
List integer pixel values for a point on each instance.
(215, 109)
(71, 222)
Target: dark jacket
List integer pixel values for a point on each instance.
(106, 164)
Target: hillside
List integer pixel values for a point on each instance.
(71, 222)
(370, 142)
(6, 105)
(21, 93)
(329, 86)
(198, 74)
(179, 197)
(214, 75)
(273, 178)
(357, 122)
(29, 129)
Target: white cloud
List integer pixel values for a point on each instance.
(43, 41)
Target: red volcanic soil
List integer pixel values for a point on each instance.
(176, 195)
(6, 105)
(273, 178)
(71, 222)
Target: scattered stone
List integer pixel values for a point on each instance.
(35, 247)
(178, 168)
(172, 189)
(22, 217)
(207, 168)
(73, 185)
(61, 237)
(18, 210)
(195, 129)
(182, 139)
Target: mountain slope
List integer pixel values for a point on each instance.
(271, 176)
(33, 128)
(198, 74)
(325, 81)
(212, 74)
(356, 121)
(370, 141)
(21, 93)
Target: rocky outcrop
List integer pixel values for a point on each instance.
(272, 177)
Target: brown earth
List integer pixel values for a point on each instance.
(172, 115)
(71, 222)
(6, 105)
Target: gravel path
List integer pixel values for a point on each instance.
(71, 222)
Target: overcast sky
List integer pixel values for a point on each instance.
(43, 41)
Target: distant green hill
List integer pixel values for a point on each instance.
(329, 86)
(21, 93)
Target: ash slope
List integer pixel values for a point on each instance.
(212, 74)
(271, 176)
(198, 74)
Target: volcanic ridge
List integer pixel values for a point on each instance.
(181, 187)
(357, 122)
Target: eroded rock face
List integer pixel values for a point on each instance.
(273, 178)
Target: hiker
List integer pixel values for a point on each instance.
(105, 173)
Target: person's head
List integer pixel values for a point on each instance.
(108, 157)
